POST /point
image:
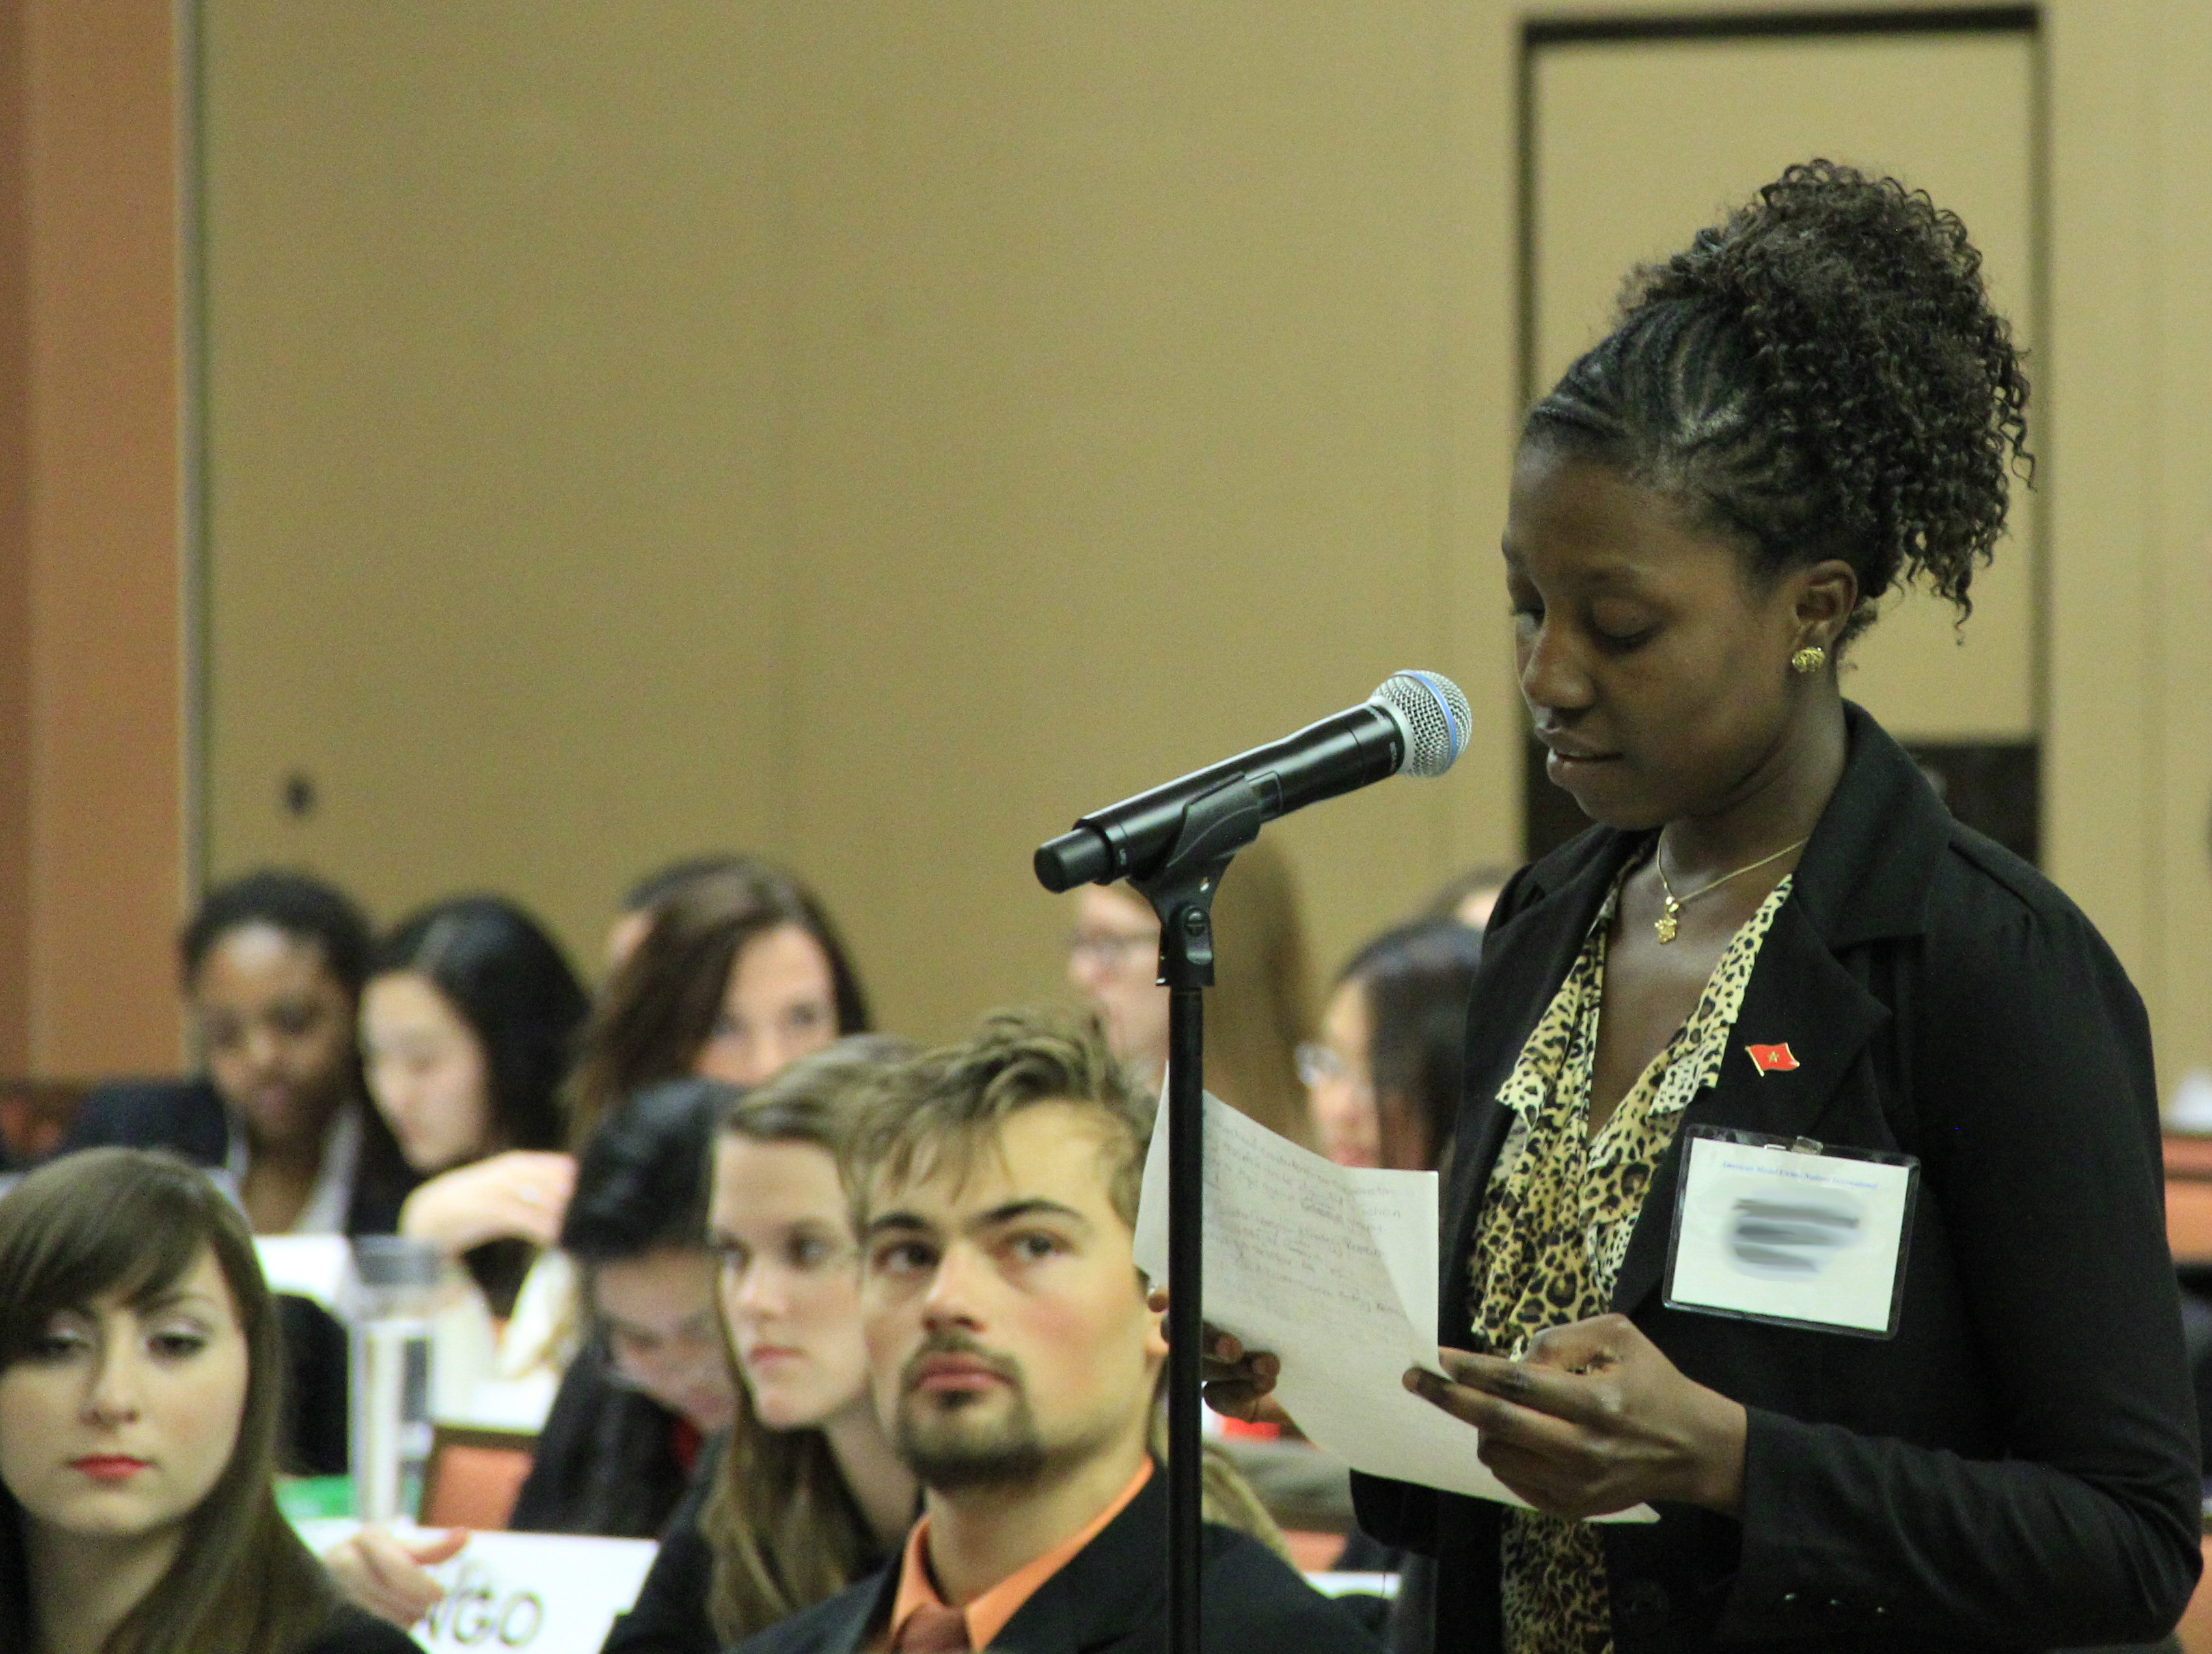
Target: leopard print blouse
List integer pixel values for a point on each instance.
(1555, 1224)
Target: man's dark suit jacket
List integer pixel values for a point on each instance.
(2017, 1468)
(1111, 1598)
(188, 1117)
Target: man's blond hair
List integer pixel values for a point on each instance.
(938, 1111)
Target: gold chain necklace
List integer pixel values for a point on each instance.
(1665, 924)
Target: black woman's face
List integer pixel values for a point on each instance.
(1655, 669)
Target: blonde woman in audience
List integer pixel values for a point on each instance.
(140, 1372)
(1258, 1012)
(803, 1494)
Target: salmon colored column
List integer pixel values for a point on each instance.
(91, 785)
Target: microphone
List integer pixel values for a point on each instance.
(1415, 722)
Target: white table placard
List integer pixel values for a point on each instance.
(545, 1593)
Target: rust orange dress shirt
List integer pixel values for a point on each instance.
(988, 1614)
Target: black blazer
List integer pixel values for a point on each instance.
(2018, 1468)
(605, 1461)
(670, 1615)
(187, 1116)
(1111, 1598)
(350, 1630)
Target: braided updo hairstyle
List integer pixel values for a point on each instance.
(1822, 375)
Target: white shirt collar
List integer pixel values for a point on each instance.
(332, 1198)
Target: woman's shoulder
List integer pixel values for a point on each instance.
(1990, 907)
(350, 1631)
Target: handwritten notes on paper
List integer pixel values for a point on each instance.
(1333, 1270)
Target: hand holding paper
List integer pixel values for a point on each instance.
(1333, 1269)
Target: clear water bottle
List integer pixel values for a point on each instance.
(401, 1283)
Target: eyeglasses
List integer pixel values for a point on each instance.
(630, 1352)
(1113, 950)
(1319, 1065)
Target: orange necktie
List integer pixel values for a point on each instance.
(933, 1630)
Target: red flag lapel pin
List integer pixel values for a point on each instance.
(1772, 1060)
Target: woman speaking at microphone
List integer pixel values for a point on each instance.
(1809, 1182)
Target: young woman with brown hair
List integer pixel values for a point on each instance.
(139, 1376)
(739, 972)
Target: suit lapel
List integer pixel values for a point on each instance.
(1799, 996)
(1106, 1589)
(862, 1614)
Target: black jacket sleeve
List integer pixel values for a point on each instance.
(606, 1462)
(2029, 1068)
(350, 1631)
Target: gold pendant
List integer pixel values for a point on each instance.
(1664, 925)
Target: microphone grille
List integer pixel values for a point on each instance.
(1434, 713)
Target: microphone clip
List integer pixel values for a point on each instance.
(1215, 826)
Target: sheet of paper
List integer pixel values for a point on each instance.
(1336, 1271)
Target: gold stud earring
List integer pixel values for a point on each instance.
(1806, 662)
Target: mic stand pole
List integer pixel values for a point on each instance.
(1215, 826)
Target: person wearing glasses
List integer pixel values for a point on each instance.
(1258, 1010)
(1383, 1079)
(651, 1383)
(617, 1463)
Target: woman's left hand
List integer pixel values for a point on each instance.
(1596, 1419)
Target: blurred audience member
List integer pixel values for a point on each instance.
(1257, 1013)
(139, 1371)
(1384, 1076)
(1470, 897)
(740, 971)
(273, 967)
(633, 916)
(1016, 1364)
(652, 1383)
(468, 1026)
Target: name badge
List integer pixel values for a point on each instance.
(1790, 1231)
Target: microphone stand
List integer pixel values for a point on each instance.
(1215, 826)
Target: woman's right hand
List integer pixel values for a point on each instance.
(1237, 1382)
(521, 1194)
(388, 1576)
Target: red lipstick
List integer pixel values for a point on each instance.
(108, 1467)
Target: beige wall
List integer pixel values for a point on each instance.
(774, 427)
(870, 433)
(1953, 114)
(91, 825)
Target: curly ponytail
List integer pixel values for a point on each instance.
(1822, 374)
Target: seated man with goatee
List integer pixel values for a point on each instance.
(1015, 1364)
